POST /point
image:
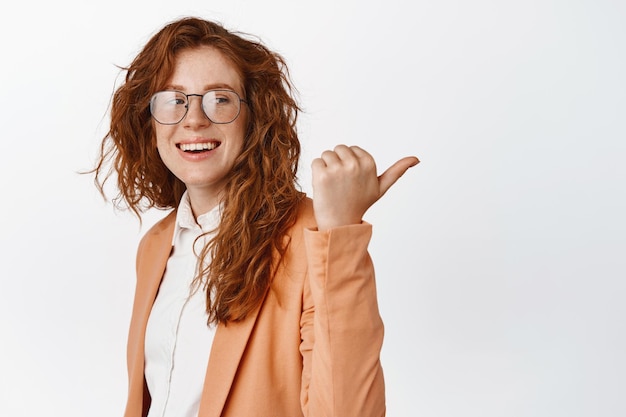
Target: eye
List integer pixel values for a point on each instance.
(221, 99)
(170, 99)
(176, 100)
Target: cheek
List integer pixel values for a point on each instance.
(240, 134)
(236, 133)
(161, 136)
(243, 128)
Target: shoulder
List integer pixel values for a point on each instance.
(293, 239)
(294, 236)
(163, 226)
(306, 216)
(305, 219)
(161, 231)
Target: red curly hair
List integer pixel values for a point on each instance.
(261, 197)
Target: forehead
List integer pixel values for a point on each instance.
(203, 68)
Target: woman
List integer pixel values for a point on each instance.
(251, 299)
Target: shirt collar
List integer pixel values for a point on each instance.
(207, 222)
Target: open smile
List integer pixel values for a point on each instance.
(198, 146)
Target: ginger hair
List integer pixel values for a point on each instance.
(261, 197)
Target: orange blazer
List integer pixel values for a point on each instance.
(312, 348)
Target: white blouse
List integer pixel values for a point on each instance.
(178, 340)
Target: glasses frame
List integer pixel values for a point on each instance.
(241, 100)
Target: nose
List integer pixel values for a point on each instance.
(195, 116)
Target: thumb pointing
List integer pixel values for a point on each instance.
(394, 172)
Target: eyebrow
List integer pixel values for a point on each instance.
(206, 87)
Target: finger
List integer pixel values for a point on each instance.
(318, 163)
(360, 153)
(345, 153)
(394, 172)
(330, 157)
(366, 160)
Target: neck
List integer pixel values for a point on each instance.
(202, 201)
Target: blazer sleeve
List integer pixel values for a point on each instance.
(341, 328)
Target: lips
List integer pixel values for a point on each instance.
(198, 146)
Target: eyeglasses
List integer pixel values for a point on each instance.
(220, 106)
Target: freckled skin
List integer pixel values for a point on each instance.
(197, 71)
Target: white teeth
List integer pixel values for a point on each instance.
(204, 146)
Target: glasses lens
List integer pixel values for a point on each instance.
(221, 106)
(168, 107)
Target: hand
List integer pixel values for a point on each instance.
(345, 184)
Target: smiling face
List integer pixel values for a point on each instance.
(198, 152)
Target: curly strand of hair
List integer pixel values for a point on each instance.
(256, 213)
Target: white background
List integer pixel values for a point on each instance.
(501, 258)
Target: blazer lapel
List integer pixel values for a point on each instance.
(228, 347)
(152, 257)
(230, 340)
